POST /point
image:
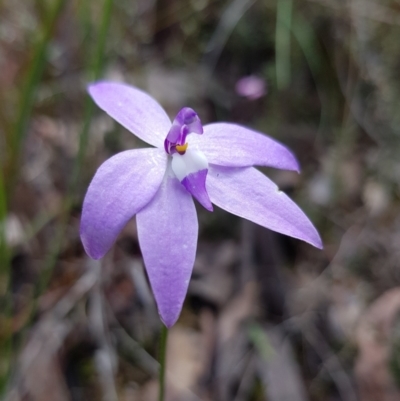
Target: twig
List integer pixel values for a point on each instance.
(49, 331)
(331, 362)
(230, 17)
(105, 357)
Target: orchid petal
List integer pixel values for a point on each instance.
(248, 193)
(122, 186)
(135, 110)
(232, 145)
(167, 230)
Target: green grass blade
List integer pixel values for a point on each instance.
(282, 42)
(306, 38)
(19, 130)
(95, 72)
(6, 333)
(32, 80)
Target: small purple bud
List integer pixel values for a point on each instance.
(251, 87)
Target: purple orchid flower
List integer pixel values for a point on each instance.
(157, 185)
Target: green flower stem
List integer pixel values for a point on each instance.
(162, 358)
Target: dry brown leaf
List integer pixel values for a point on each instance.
(240, 308)
(374, 379)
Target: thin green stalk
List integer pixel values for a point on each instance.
(282, 42)
(4, 251)
(84, 15)
(306, 39)
(95, 72)
(18, 133)
(5, 340)
(32, 80)
(162, 358)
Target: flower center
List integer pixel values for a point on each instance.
(190, 166)
(181, 149)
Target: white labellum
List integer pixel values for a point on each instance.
(190, 162)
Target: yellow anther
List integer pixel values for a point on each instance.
(182, 148)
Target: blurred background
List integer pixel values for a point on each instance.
(267, 317)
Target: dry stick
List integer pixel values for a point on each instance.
(278, 369)
(230, 17)
(141, 356)
(130, 346)
(136, 271)
(45, 326)
(247, 379)
(247, 272)
(331, 363)
(371, 10)
(134, 352)
(105, 357)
